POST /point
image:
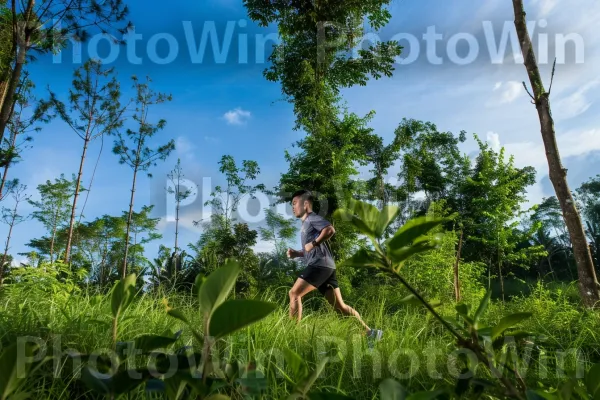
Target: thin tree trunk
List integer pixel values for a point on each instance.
(5, 174)
(176, 224)
(588, 283)
(53, 237)
(124, 274)
(12, 224)
(77, 186)
(134, 246)
(456, 277)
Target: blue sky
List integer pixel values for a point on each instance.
(224, 106)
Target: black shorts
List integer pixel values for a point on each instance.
(323, 278)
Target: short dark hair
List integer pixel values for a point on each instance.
(304, 195)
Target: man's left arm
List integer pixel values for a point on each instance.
(326, 232)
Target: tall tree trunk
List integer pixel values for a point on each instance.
(124, 273)
(456, 277)
(12, 224)
(77, 186)
(7, 104)
(588, 283)
(4, 88)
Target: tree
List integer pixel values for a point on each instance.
(433, 165)
(495, 191)
(6, 36)
(325, 165)
(589, 288)
(552, 234)
(279, 230)
(95, 101)
(21, 124)
(142, 224)
(225, 201)
(43, 25)
(588, 196)
(137, 154)
(12, 218)
(54, 207)
(179, 192)
(101, 241)
(313, 60)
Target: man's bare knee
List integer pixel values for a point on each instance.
(294, 295)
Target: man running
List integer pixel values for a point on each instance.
(320, 266)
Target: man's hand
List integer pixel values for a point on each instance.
(291, 253)
(308, 247)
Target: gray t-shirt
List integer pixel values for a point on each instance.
(320, 256)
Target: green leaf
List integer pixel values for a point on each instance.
(401, 254)
(426, 395)
(462, 309)
(174, 386)
(150, 342)
(508, 322)
(237, 314)
(386, 217)
(482, 306)
(11, 377)
(123, 294)
(592, 380)
(305, 387)
(390, 389)
(217, 287)
(363, 258)
(357, 222)
(413, 230)
(177, 314)
(362, 215)
(411, 300)
(218, 397)
(295, 363)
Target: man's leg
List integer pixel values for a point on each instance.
(334, 297)
(300, 289)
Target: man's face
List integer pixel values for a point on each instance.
(298, 207)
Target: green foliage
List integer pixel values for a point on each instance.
(311, 63)
(54, 207)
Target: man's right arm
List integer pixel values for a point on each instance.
(295, 253)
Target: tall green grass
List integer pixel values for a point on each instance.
(414, 350)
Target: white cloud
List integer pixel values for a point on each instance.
(183, 146)
(511, 91)
(574, 104)
(237, 116)
(494, 141)
(211, 139)
(545, 7)
(263, 247)
(570, 144)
